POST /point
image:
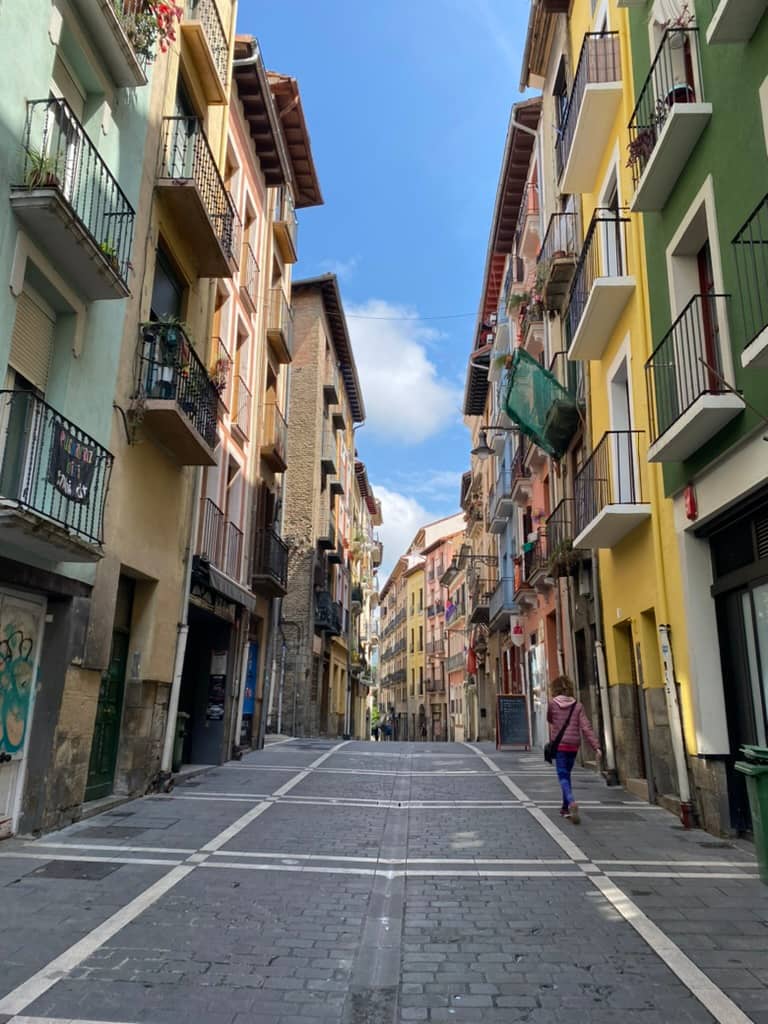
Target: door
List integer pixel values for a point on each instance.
(106, 729)
(21, 631)
(709, 324)
(742, 618)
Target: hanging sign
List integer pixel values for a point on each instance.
(71, 466)
(516, 631)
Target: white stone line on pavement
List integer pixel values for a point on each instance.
(390, 860)
(681, 874)
(342, 802)
(37, 843)
(19, 998)
(723, 1009)
(683, 863)
(311, 868)
(268, 744)
(451, 773)
(34, 987)
(90, 859)
(57, 1020)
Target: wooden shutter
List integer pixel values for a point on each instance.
(32, 340)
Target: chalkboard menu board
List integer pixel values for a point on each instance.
(512, 721)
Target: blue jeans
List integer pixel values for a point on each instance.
(564, 762)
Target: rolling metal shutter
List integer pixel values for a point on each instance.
(32, 340)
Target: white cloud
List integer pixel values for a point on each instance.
(402, 518)
(405, 397)
(341, 268)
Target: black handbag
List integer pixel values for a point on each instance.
(550, 749)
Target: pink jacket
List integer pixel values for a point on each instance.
(579, 725)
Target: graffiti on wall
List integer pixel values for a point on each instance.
(18, 635)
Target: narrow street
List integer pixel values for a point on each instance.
(355, 882)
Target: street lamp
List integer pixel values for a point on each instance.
(483, 450)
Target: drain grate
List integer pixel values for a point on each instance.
(113, 831)
(716, 846)
(75, 870)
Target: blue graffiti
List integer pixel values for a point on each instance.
(16, 667)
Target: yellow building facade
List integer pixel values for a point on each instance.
(620, 508)
(416, 622)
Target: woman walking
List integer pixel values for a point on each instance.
(568, 720)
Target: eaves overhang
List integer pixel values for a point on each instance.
(285, 91)
(260, 112)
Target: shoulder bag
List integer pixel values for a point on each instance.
(550, 749)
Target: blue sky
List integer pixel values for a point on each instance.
(407, 104)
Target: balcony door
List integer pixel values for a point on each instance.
(619, 477)
(180, 148)
(709, 324)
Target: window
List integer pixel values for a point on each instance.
(421, 638)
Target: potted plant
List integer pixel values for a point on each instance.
(41, 170)
(150, 24)
(517, 299)
(109, 252)
(641, 146)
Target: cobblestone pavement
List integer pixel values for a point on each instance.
(360, 883)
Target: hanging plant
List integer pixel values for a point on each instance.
(149, 25)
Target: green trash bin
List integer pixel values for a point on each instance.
(178, 744)
(755, 768)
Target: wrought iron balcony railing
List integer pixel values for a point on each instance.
(674, 78)
(187, 157)
(560, 529)
(270, 556)
(280, 318)
(52, 468)
(58, 154)
(250, 274)
(221, 371)
(610, 476)
(169, 368)
(599, 61)
(570, 375)
(328, 613)
(206, 12)
(275, 431)
(561, 237)
(686, 364)
(221, 541)
(242, 402)
(455, 661)
(751, 251)
(601, 256)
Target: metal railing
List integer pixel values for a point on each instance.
(58, 154)
(561, 237)
(678, 370)
(221, 371)
(233, 550)
(186, 156)
(206, 12)
(249, 275)
(502, 491)
(570, 374)
(270, 555)
(751, 254)
(599, 61)
(436, 648)
(330, 452)
(560, 527)
(327, 526)
(212, 534)
(519, 470)
(275, 430)
(285, 213)
(610, 476)
(280, 316)
(455, 661)
(674, 77)
(170, 369)
(540, 554)
(602, 255)
(51, 467)
(502, 599)
(328, 613)
(242, 403)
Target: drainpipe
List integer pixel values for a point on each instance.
(675, 726)
(611, 775)
(181, 633)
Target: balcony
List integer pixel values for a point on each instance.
(521, 487)
(502, 505)
(221, 541)
(190, 187)
(328, 614)
(326, 532)
(531, 328)
(751, 254)
(735, 21)
(110, 24)
(455, 662)
(70, 203)
(502, 605)
(356, 597)
(435, 648)
(608, 494)
(377, 554)
(527, 230)
(569, 375)
(338, 422)
(204, 40)
(275, 438)
(335, 555)
(481, 599)
(221, 371)
(335, 485)
(331, 386)
(328, 453)
(601, 286)
(285, 226)
(54, 480)
(560, 530)
(594, 102)
(269, 573)
(249, 278)
(668, 120)
(688, 403)
(178, 403)
(523, 591)
(242, 403)
(556, 263)
(280, 325)
(539, 575)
